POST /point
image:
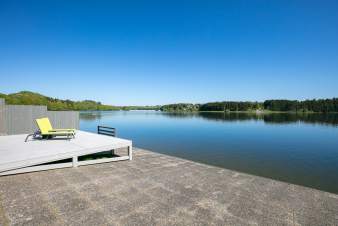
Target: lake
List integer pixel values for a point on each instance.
(296, 148)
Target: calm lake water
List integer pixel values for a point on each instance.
(300, 149)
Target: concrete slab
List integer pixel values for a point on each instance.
(169, 191)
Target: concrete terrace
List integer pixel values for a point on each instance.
(155, 189)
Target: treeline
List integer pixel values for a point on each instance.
(213, 106)
(231, 106)
(128, 108)
(320, 105)
(54, 104)
(180, 107)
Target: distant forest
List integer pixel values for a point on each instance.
(320, 105)
(54, 104)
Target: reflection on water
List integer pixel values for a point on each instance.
(278, 118)
(283, 118)
(296, 148)
(90, 116)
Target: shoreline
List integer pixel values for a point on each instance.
(253, 112)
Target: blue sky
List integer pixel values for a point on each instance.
(158, 52)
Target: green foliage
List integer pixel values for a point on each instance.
(182, 107)
(26, 98)
(53, 104)
(321, 105)
(231, 106)
(128, 108)
(214, 106)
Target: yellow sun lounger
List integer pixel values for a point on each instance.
(46, 130)
(46, 127)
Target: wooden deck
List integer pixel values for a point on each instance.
(18, 156)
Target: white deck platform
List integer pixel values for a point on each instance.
(18, 156)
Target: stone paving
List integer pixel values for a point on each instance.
(156, 189)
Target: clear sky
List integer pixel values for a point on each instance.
(157, 52)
